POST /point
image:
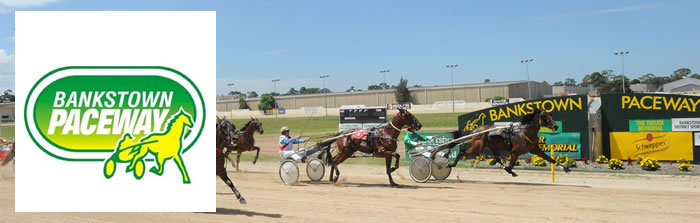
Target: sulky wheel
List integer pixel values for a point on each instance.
(139, 169)
(440, 168)
(109, 168)
(289, 172)
(315, 170)
(420, 169)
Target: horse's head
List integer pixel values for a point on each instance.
(406, 118)
(547, 120)
(184, 118)
(256, 125)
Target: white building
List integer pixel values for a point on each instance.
(683, 85)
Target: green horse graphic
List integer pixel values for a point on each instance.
(162, 145)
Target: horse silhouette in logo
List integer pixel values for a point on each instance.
(162, 145)
(473, 124)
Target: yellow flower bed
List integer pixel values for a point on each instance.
(685, 166)
(650, 164)
(615, 164)
(601, 159)
(538, 161)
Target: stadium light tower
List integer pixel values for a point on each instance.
(274, 103)
(325, 101)
(229, 92)
(229, 89)
(622, 62)
(383, 72)
(527, 70)
(452, 66)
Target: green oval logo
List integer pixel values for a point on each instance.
(87, 113)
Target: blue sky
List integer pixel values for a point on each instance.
(296, 41)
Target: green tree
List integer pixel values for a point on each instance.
(374, 87)
(292, 91)
(402, 94)
(234, 93)
(635, 81)
(558, 83)
(615, 86)
(351, 89)
(242, 104)
(252, 94)
(696, 76)
(7, 96)
(569, 82)
(487, 80)
(645, 79)
(266, 101)
(596, 79)
(680, 74)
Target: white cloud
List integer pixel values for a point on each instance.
(7, 71)
(25, 3)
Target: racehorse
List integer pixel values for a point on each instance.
(223, 142)
(523, 139)
(384, 143)
(246, 141)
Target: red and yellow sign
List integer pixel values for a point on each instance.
(658, 145)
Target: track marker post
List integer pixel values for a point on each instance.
(555, 161)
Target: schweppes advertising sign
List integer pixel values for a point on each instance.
(116, 115)
(659, 145)
(570, 112)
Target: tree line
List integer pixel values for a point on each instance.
(606, 82)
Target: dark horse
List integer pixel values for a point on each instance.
(384, 143)
(244, 140)
(224, 136)
(523, 139)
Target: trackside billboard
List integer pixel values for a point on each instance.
(660, 126)
(570, 112)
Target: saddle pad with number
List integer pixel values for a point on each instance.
(360, 135)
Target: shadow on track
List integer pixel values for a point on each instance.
(403, 186)
(226, 211)
(517, 183)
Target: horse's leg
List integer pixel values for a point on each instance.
(183, 170)
(396, 156)
(388, 155)
(497, 155)
(513, 158)
(228, 151)
(388, 171)
(161, 163)
(338, 160)
(257, 153)
(238, 160)
(228, 182)
(540, 153)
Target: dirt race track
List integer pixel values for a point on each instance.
(469, 195)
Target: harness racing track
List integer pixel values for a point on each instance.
(469, 195)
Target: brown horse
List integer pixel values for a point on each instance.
(523, 139)
(384, 143)
(224, 135)
(245, 140)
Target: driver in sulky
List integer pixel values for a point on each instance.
(286, 145)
